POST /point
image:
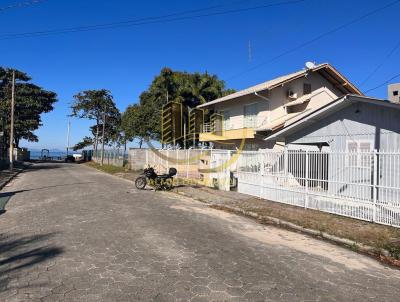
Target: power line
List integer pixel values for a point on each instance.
(143, 21)
(21, 5)
(384, 83)
(319, 37)
(392, 51)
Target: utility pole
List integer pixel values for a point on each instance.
(69, 129)
(11, 149)
(103, 138)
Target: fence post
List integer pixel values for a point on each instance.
(262, 167)
(228, 171)
(187, 162)
(375, 185)
(306, 179)
(167, 159)
(177, 163)
(285, 164)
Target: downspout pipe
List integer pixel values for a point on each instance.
(268, 101)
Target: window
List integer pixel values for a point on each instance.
(359, 153)
(365, 154)
(396, 92)
(352, 153)
(250, 115)
(226, 119)
(251, 147)
(306, 88)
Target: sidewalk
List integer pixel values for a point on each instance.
(7, 175)
(377, 240)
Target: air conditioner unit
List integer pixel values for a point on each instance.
(291, 95)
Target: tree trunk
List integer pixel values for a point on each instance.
(140, 142)
(96, 139)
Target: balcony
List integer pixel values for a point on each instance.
(210, 133)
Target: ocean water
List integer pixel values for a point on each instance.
(35, 154)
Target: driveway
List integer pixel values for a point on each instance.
(71, 233)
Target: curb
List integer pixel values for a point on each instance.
(382, 254)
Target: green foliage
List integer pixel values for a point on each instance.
(190, 89)
(137, 123)
(30, 102)
(86, 142)
(97, 105)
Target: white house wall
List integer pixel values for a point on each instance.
(278, 98)
(358, 123)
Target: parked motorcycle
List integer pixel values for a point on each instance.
(158, 182)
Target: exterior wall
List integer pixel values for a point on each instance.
(357, 122)
(236, 109)
(360, 123)
(394, 93)
(137, 159)
(270, 111)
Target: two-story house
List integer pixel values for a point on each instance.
(253, 113)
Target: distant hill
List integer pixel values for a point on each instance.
(50, 150)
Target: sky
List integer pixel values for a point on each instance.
(125, 59)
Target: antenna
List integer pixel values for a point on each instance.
(250, 52)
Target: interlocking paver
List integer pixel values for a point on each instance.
(71, 233)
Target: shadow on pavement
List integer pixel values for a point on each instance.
(45, 166)
(6, 196)
(12, 193)
(20, 254)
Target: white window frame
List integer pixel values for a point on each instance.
(358, 156)
(226, 122)
(250, 121)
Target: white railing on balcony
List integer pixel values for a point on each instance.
(207, 128)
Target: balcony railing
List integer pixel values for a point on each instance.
(207, 128)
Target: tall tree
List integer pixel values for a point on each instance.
(190, 89)
(137, 123)
(30, 102)
(93, 105)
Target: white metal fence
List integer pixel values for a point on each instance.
(360, 185)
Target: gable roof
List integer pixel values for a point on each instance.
(326, 70)
(318, 114)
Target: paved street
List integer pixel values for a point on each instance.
(71, 233)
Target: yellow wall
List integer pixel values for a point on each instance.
(228, 135)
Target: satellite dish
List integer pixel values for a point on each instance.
(310, 65)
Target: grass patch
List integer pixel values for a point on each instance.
(106, 168)
(362, 232)
(367, 233)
